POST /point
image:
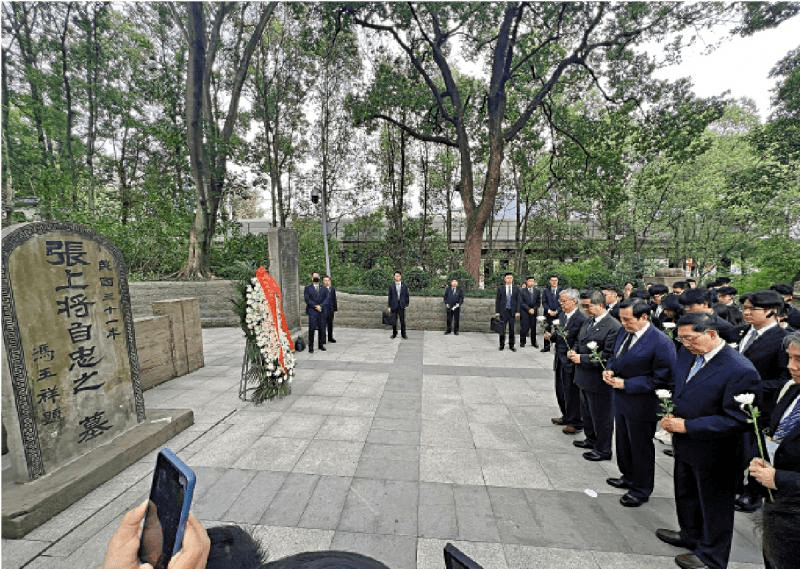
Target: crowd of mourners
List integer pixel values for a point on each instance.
(712, 374)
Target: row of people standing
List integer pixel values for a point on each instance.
(606, 375)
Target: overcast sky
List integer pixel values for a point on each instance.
(741, 65)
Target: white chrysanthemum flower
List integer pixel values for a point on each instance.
(663, 393)
(745, 398)
(591, 345)
(669, 325)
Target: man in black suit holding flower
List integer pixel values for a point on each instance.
(596, 341)
(564, 334)
(643, 361)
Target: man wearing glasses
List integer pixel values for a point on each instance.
(706, 426)
(761, 342)
(565, 335)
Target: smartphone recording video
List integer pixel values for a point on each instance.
(167, 510)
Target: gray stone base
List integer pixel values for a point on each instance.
(27, 506)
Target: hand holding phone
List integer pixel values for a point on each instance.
(167, 510)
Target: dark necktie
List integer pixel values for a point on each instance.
(787, 424)
(625, 345)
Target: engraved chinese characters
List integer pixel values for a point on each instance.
(68, 338)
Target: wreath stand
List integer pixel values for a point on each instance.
(252, 372)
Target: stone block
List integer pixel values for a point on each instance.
(187, 348)
(154, 344)
(26, 506)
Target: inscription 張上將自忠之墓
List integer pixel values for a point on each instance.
(71, 311)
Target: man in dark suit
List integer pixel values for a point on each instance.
(550, 307)
(529, 302)
(565, 335)
(597, 411)
(398, 302)
(331, 306)
(781, 474)
(643, 361)
(612, 294)
(790, 314)
(706, 426)
(453, 301)
(761, 342)
(506, 307)
(315, 296)
(657, 293)
(699, 300)
(726, 306)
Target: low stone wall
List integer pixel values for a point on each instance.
(355, 310)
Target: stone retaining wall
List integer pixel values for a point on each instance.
(355, 310)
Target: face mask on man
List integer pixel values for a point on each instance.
(315, 279)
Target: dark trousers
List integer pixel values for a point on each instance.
(548, 326)
(507, 315)
(568, 395)
(401, 316)
(452, 319)
(748, 486)
(636, 454)
(329, 325)
(316, 323)
(704, 502)
(597, 412)
(527, 325)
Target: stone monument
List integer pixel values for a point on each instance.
(72, 400)
(284, 259)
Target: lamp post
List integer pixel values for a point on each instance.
(315, 198)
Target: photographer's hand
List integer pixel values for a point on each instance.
(123, 548)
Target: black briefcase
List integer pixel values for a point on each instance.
(389, 317)
(497, 325)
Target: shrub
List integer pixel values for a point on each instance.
(377, 279)
(417, 279)
(464, 279)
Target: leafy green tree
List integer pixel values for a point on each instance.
(529, 50)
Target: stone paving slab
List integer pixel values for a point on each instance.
(390, 448)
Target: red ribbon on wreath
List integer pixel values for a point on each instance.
(272, 292)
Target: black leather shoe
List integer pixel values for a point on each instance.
(557, 420)
(456, 333)
(582, 444)
(501, 348)
(669, 452)
(747, 503)
(595, 456)
(322, 349)
(671, 537)
(512, 348)
(331, 340)
(535, 345)
(405, 337)
(545, 350)
(689, 561)
(446, 333)
(618, 482)
(310, 350)
(393, 336)
(630, 501)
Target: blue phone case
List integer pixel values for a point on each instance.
(187, 495)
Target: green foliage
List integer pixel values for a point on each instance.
(417, 279)
(465, 280)
(377, 279)
(776, 260)
(228, 257)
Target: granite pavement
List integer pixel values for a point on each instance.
(390, 448)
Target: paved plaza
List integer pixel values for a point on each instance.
(390, 448)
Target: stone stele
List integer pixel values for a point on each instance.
(284, 261)
(71, 391)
